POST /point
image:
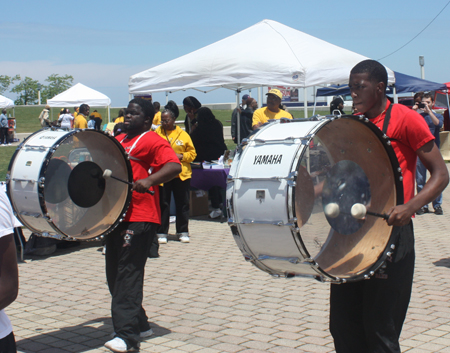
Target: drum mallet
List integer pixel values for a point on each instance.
(108, 174)
(359, 211)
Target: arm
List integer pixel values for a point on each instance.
(166, 173)
(431, 158)
(433, 116)
(189, 155)
(9, 273)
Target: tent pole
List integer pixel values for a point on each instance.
(238, 122)
(315, 101)
(167, 97)
(395, 94)
(260, 96)
(109, 114)
(305, 103)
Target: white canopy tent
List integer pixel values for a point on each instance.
(265, 54)
(80, 94)
(6, 103)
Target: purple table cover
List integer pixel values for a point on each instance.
(205, 179)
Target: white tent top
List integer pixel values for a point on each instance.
(77, 95)
(265, 54)
(6, 103)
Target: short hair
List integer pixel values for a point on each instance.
(156, 105)
(4, 111)
(249, 101)
(172, 108)
(121, 112)
(83, 108)
(418, 95)
(146, 106)
(376, 71)
(428, 95)
(193, 102)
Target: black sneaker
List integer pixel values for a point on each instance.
(438, 210)
(422, 211)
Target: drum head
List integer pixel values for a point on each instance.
(94, 206)
(348, 164)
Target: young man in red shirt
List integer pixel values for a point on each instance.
(367, 316)
(127, 246)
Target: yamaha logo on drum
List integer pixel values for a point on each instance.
(268, 159)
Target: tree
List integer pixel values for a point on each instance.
(57, 84)
(27, 92)
(6, 81)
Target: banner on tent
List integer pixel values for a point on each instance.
(290, 94)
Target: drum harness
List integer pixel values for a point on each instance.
(131, 149)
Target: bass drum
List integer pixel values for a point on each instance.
(56, 185)
(284, 176)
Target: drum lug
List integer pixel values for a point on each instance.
(291, 183)
(392, 246)
(41, 182)
(388, 254)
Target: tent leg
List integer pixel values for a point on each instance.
(305, 103)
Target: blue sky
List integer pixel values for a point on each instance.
(102, 43)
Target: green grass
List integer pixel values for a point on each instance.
(6, 153)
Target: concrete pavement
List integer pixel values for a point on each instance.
(203, 297)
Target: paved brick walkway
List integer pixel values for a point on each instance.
(203, 297)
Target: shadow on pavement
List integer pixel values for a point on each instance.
(80, 338)
(442, 262)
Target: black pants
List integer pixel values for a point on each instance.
(126, 255)
(8, 344)
(367, 316)
(180, 191)
(215, 195)
(4, 138)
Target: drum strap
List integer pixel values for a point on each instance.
(133, 146)
(386, 119)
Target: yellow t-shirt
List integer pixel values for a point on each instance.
(97, 115)
(262, 115)
(120, 119)
(157, 119)
(80, 122)
(181, 142)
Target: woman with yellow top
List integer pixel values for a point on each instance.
(184, 148)
(120, 118)
(157, 119)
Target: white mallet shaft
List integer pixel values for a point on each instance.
(108, 174)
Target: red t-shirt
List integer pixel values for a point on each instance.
(408, 131)
(151, 152)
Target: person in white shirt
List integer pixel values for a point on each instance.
(9, 274)
(66, 119)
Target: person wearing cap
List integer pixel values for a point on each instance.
(242, 106)
(272, 111)
(43, 117)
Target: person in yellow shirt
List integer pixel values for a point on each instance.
(184, 148)
(81, 119)
(272, 111)
(120, 118)
(157, 119)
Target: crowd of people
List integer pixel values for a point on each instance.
(80, 118)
